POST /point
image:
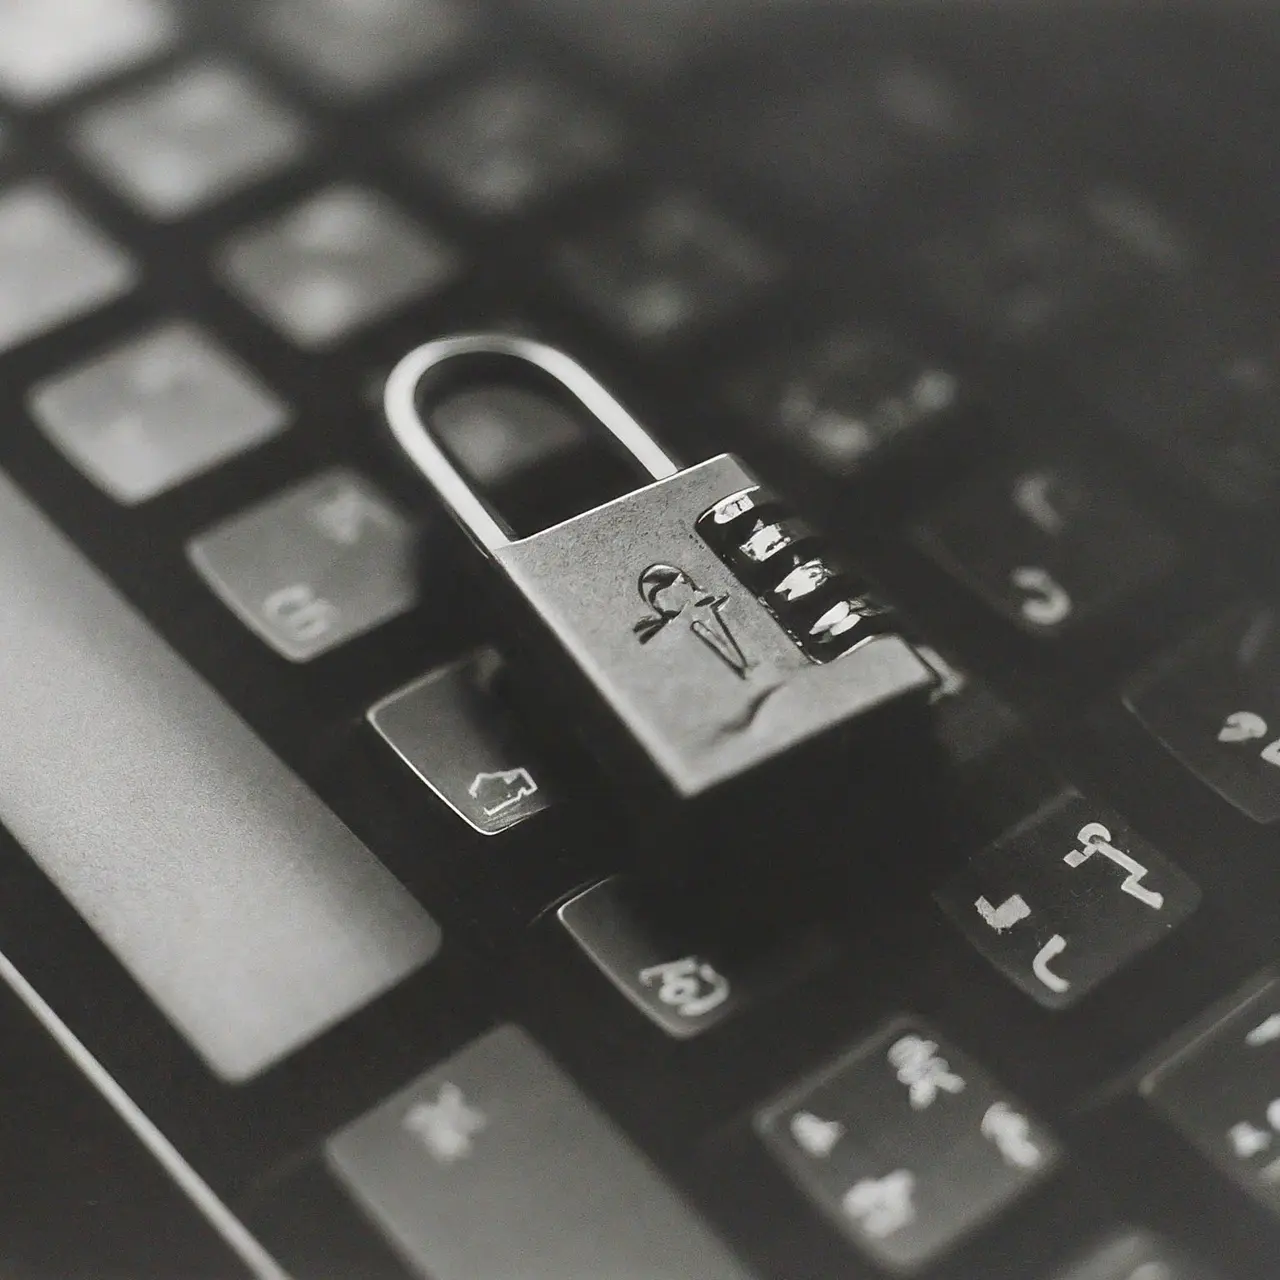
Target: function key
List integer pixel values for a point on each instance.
(906, 1144)
(189, 140)
(1046, 543)
(1134, 1255)
(156, 411)
(54, 266)
(49, 48)
(667, 269)
(357, 47)
(1222, 1092)
(334, 264)
(512, 142)
(313, 567)
(455, 731)
(850, 397)
(495, 1164)
(1215, 704)
(1063, 900)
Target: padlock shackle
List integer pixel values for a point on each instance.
(401, 398)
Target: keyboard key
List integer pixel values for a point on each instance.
(684, 991)
(1037, 269)
(1195, 378)
(1214, 703)
(494, 1164)
(667, 269)
(150, 414)
(1063, 900)
(511, 142)
(334, 264)
(49, 48)
(906, 1144)
(456, 733)
(1135, 1255)
(190, 140)
(1222, 1092)
(54, 266)
(849, 397)
(311, 568)
(1046, 544)
(968, 720)
(860, 131)
(355, 47)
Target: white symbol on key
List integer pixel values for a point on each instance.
(447, 1125)
(882, 1206)
(1095, 838)
(689, 985)
(815, 1136)
(1266, 1032)
(497, 791)
(1006, 915)
(299, 612)
(1040, 965)
(1046, 602)
(925, 1073)
(342, 515)
(1031, 497)
(1242, 726)
(1010, 1131)
(1248, 726)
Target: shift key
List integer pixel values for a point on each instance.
(493, 1166)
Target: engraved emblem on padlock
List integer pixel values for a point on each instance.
(709, 627)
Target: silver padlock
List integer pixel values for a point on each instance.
(696, 626)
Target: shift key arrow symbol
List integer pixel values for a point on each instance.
(1006, 915)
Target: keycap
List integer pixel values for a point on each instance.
(906, 1144)
(967, 719)
(1195, 378)
(668, 268)
(1133, 1255)
(1046, 544)
(1066, 898)
(849, 396)
(495, 1164)
(49, 48)
(313, 567)
(511, 142)
(838, 138)
(1212, 701)
(189, 140)
(242, 907)
(683, 989)
(1036, 268)
(1221, 1091)
(54, 265)
(356, 47)
(156, 411)
(334, 264)
(455, 731)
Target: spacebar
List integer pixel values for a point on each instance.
(251, 916)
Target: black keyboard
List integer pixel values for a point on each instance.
(347, 929)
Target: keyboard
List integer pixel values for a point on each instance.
(349, 933)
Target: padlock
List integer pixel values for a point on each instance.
(698, 629)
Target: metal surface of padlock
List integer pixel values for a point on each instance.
(707, 622)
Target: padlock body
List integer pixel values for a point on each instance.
(692, 677)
